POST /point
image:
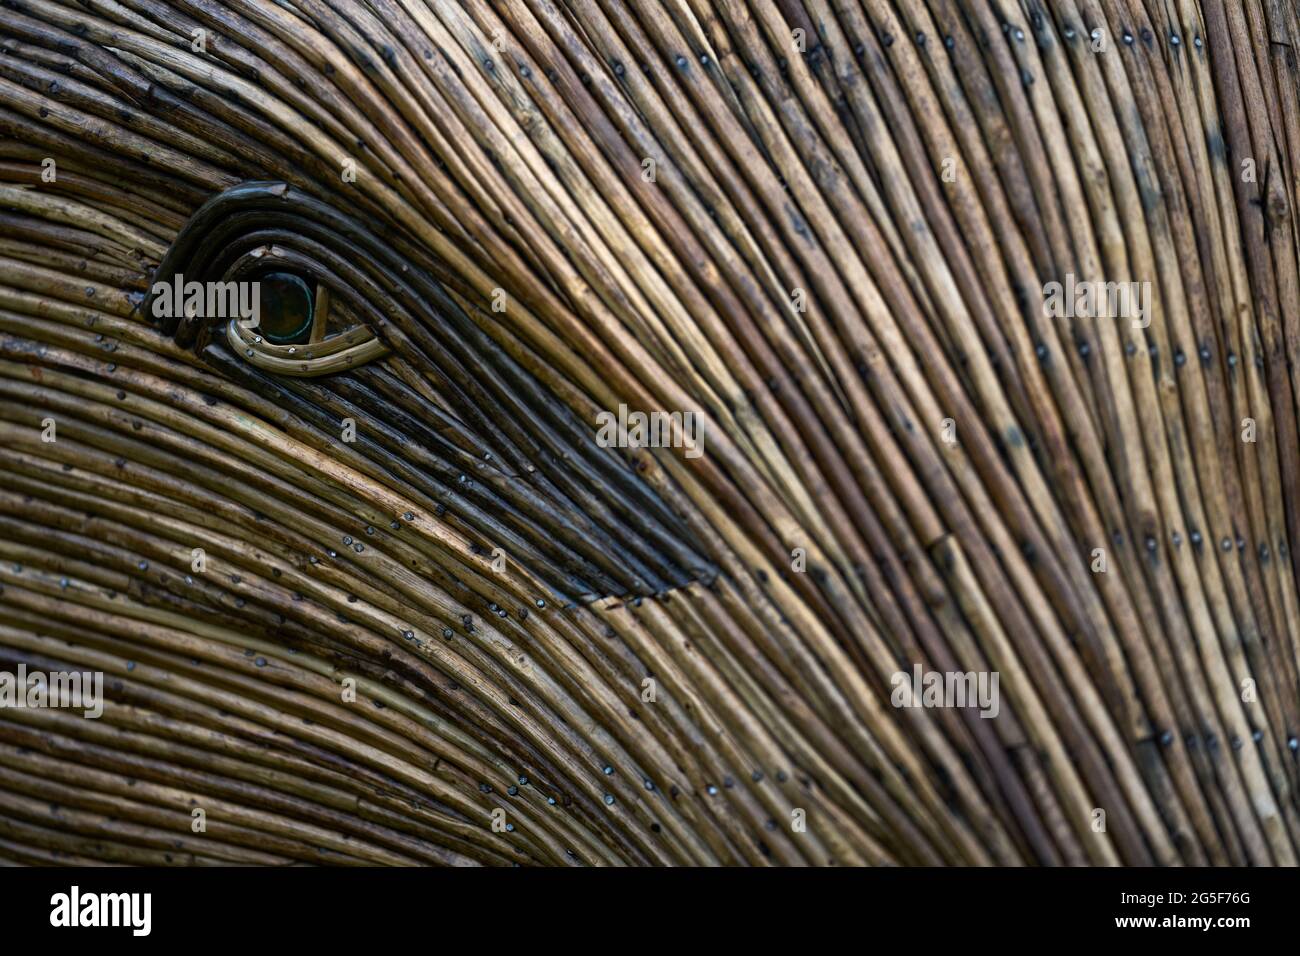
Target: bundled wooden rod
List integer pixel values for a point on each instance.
(820, 432)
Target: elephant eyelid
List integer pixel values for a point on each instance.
(298, 333)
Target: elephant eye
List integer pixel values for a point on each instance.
(286, 309)
(270, 274)
(302, 329)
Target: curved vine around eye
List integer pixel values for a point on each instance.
(255, 270)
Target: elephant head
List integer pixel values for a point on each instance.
(697, 433)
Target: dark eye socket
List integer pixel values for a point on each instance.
(287, 305)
